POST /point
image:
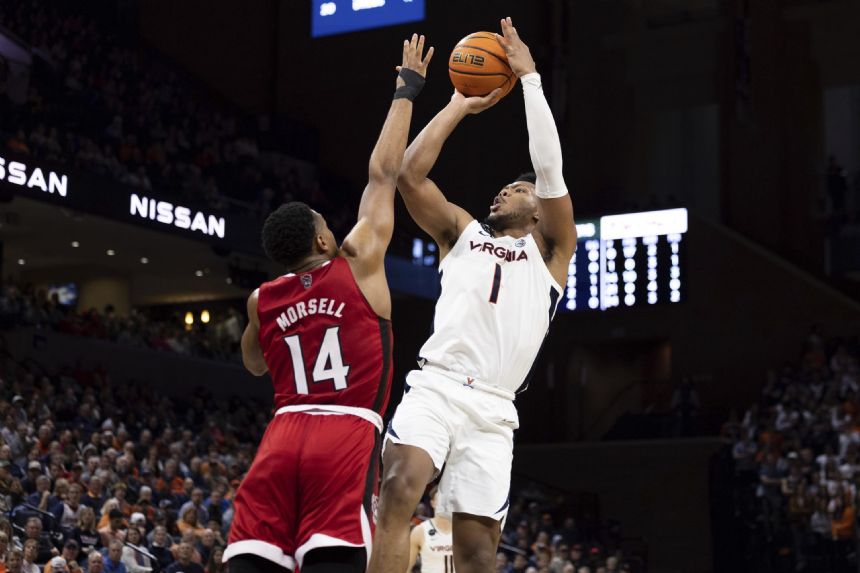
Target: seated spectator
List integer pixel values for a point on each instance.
(94, 497)
(4, 546)
(95, 562)
(85, 532)
(137, 520)
(15, 561)
(160, 547)
(113, 560)
(61, 491)
(56, 565)
(135, 561)
(215, 564)
(69, 557)
(113, 531)
(144, 506)
(30, 557)
(184, 564)
(188, 522)
(191, 539)
(34, 470)
(44, 548)
(42, 496)
(120, 491)
(206, 544)
(215, 504)
(70, 509)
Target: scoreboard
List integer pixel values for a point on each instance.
(629, 260)
(330, 17)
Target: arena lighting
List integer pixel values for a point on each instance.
(22, 262)
(110, 252)
(189, 318)
(144, 261)
(204, 317)
(75, 244)
(198, 273)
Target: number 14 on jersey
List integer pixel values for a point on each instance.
(328, 365)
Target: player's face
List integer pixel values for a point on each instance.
(515, 204)
(330, 243)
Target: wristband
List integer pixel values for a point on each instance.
(414, 84)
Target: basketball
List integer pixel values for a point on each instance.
(478, 65)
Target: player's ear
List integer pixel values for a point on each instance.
(320, 243)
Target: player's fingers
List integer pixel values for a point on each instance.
(414, 41)
(398, 68)
(504, 42)
(428, 57)
(405, 51)
(492, 97)
(420, 49)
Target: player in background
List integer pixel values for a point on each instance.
(323, 331)
(432, 540)
(501, 281)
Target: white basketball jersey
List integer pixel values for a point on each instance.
(437, 551)
(498, 298)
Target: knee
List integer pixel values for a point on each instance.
(481, 558)
(401, 488)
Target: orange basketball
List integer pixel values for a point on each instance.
(478, 65)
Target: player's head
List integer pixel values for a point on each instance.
(515, 206)
(294, 232)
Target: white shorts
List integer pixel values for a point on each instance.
(467, 431)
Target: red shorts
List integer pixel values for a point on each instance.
(313, 484)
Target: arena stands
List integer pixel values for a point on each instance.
(129, 117)
(796, 464)
(219, 339)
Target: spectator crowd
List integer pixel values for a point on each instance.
(217, 340)
(99, 476)
(111, 109)
(796, 460)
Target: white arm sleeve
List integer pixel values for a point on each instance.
(544, 145)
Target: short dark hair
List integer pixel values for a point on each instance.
(528, 177)
(288, 233)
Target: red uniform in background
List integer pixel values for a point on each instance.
(314, 480)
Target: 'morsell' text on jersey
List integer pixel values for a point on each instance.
(310, 307)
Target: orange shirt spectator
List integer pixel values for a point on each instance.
(843, 525)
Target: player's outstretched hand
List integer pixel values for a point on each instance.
(477, 104)
(519, 57)
(413, 50)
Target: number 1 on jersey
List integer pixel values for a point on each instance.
(328, 365)
(497, 284)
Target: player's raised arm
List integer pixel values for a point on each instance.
(426, 204)
(367, 242)
(556, 228)
(252, 354)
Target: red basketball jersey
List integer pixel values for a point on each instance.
(323, 342)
